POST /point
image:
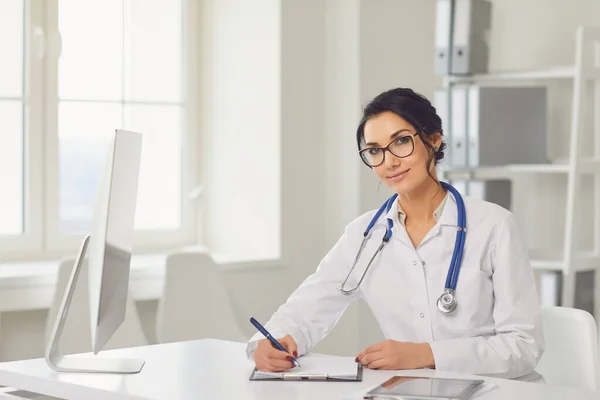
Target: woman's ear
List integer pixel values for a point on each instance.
(436, 141)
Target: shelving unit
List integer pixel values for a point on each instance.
(509, 171)
(551, 73)
(584, 74)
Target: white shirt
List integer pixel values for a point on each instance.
(496, 329)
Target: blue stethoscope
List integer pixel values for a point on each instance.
(447, 301)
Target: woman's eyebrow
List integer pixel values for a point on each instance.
(392, 136)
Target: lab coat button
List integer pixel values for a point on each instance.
(423, 262)
(414, 263)
(422, 315)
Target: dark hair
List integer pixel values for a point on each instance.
(412, 107)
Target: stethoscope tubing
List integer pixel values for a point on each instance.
(453, 272)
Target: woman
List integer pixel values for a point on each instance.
(494, 330)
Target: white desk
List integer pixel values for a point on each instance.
(213, 369)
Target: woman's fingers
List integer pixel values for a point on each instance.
(272, 352)
(290, 344)
(269, 359)
(377, 364)
(267, 364)
(367, 358)
(280, 365)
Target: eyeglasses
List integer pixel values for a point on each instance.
(401, 147)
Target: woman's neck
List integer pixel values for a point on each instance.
(420, 204)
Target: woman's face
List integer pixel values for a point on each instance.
(401, 174)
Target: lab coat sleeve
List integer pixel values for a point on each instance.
(313, 309)
(518, 343)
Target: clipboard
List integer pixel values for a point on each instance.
(296, 377)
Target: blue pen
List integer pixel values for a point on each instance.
(272, 339)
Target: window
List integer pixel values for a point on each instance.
(101, 66)
(11, 117)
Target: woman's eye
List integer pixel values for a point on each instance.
(403, 140)
(374, 151)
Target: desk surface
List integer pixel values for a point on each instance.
(214, 369)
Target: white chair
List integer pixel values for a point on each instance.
(195, 303)
(76, 336)
(571, 353)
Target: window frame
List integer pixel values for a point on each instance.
(31, 240)
(42, 238)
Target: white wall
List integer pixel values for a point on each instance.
(306, 113)
(333, 55)
(240, 120)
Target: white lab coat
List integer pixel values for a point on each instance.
(496, 329)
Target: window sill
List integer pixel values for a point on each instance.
(30, 285)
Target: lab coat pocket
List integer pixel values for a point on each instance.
(474, 294)
(473, 298)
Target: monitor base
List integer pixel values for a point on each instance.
(88, 364)
(81, 363)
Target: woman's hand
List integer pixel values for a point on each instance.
(391, 354)
(269, 359)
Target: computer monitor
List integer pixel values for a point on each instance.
(109, 247)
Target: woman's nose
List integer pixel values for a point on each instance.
(391, 160)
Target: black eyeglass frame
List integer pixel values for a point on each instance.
(383, 149)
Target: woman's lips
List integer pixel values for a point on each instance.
(398, 176)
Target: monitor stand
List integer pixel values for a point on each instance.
(78, 363)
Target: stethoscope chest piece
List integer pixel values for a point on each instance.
(447, 301)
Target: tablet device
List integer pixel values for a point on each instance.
(424, 387)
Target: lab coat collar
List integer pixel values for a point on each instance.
(436, 213)
(392, 214)
(449, 217)
(449, 212)
(397, 231)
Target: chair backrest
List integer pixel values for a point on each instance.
(76, 336)
(195, 302)
(571, 352)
